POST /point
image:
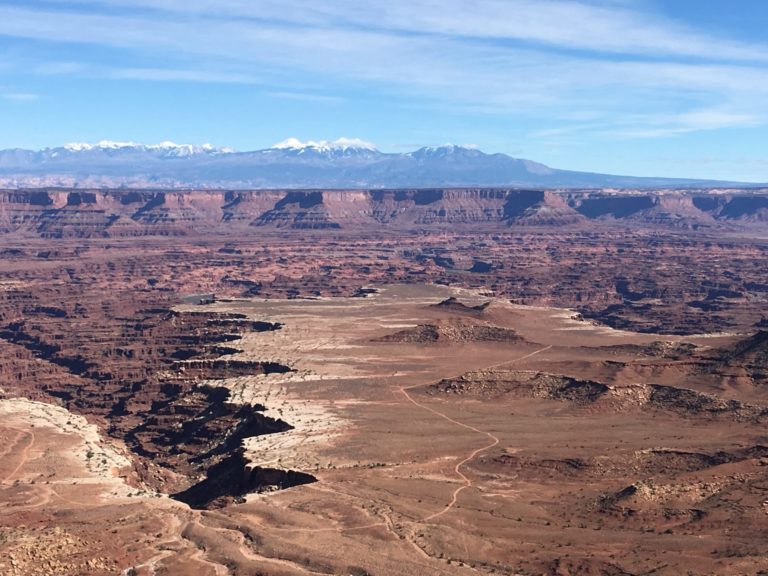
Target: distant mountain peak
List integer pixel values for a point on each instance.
(167, 147)
(103, 144)
(341, 144)
(446, 150)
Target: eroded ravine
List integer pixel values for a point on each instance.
(160, 394)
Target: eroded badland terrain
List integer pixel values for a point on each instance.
(383, 383)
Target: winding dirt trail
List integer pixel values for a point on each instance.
(494, 439)
(386, 522)
(29, 434)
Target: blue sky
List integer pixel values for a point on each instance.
(644, 87)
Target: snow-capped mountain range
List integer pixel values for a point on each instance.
(342, 144)
(343, 163)
(167, 147)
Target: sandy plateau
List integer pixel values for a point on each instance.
(448, 433)
(413, 481)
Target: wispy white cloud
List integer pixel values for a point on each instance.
(616, 27)
(166, 74)
(560, 131)
(305, 96)
(695, 121)
(58, 68)
(20, 96)
(634, 126)
(600, 66)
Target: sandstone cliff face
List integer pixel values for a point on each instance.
(122, 213)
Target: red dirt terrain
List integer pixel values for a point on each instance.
(385, 382)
